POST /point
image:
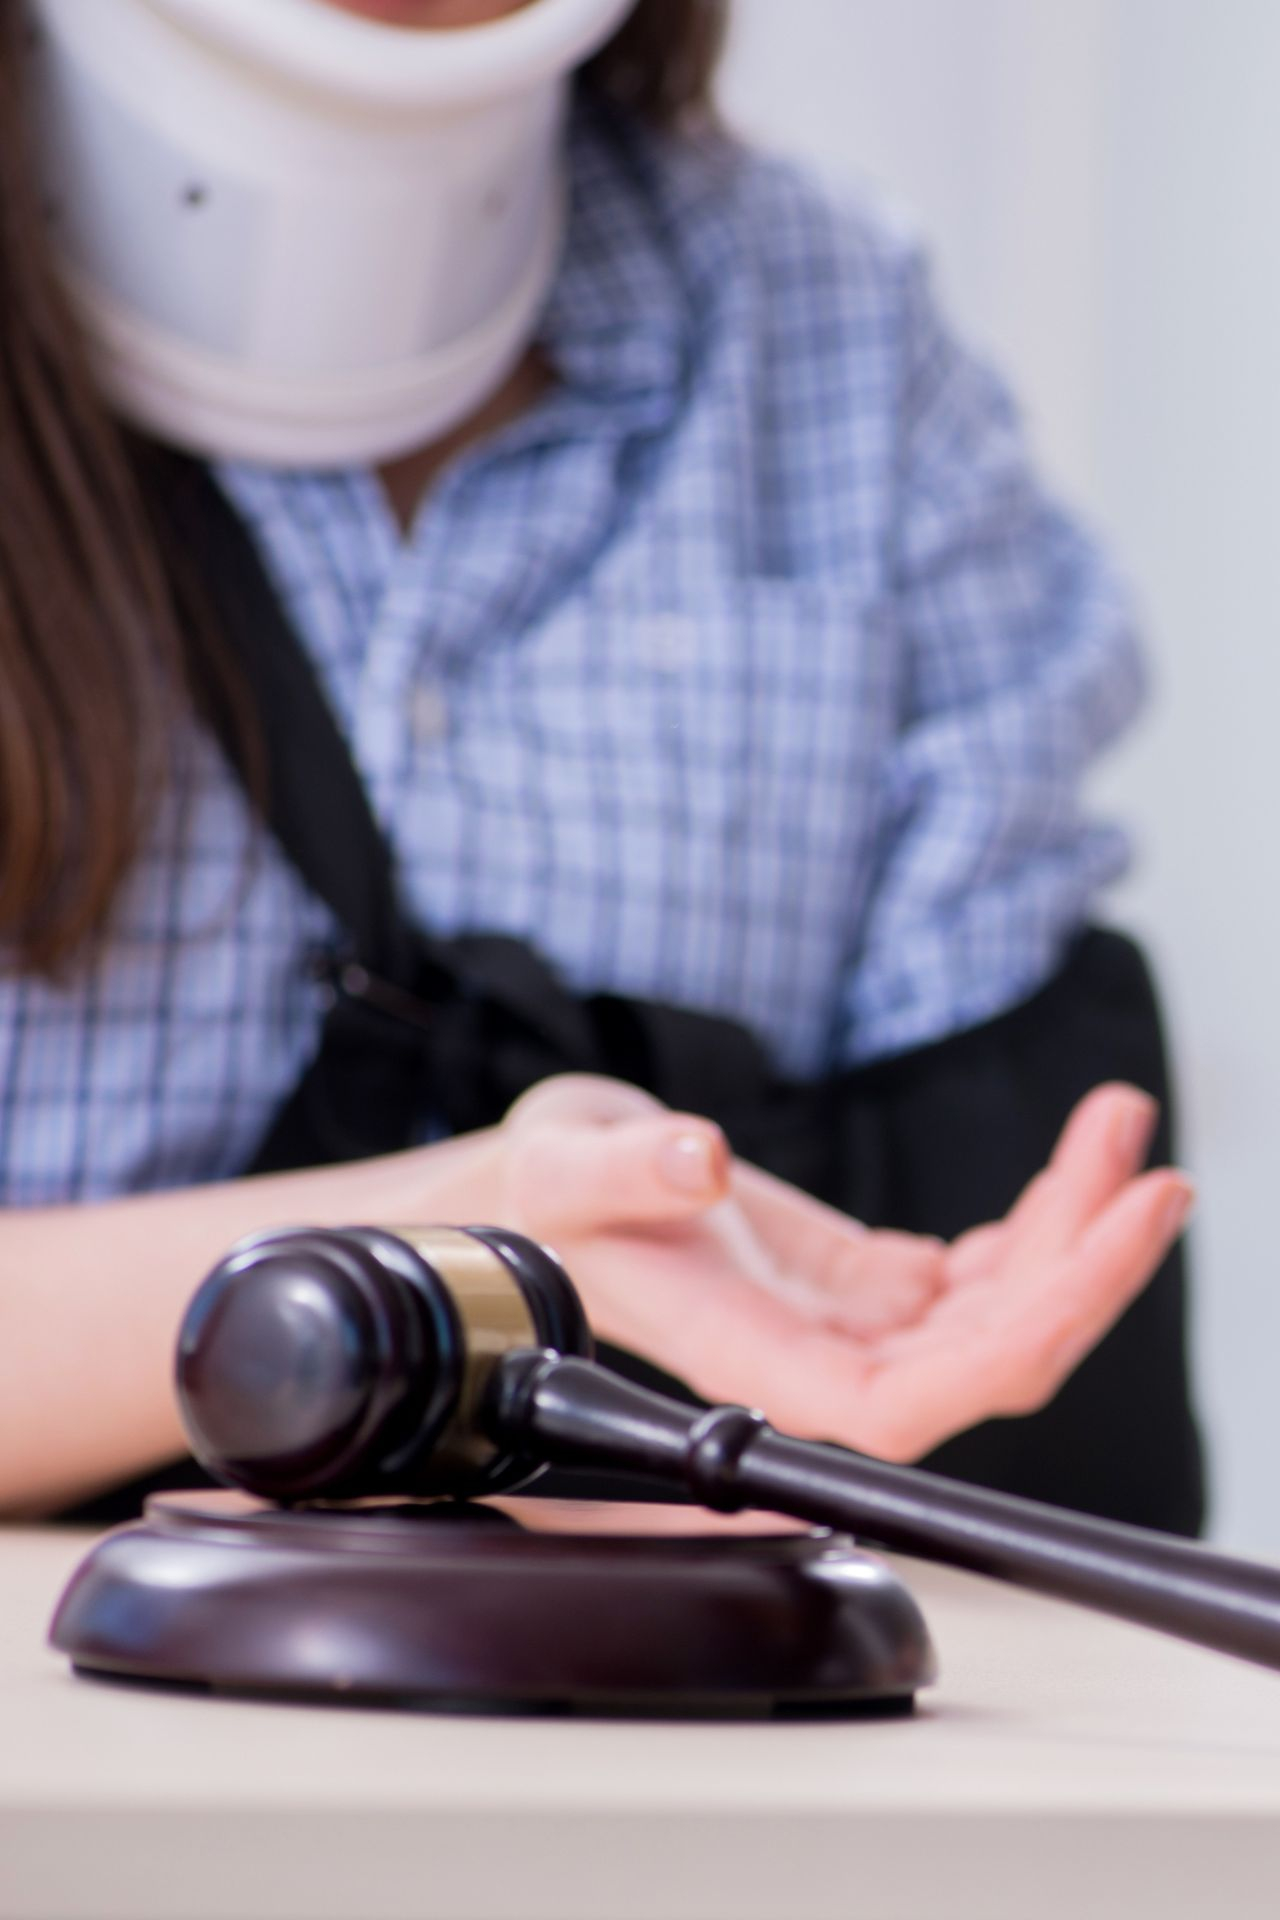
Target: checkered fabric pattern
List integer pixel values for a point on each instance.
(752, 670)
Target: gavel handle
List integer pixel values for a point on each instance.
(573, 1413)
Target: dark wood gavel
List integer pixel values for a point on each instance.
(353, 1364)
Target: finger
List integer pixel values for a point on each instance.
(868, 1285)
(863, 1282)
(975, 1254)
(887, 1281)
(565, 1179)
(1112, 1263)
(1013, 1295)
(960, 1369)
(579, 1099)
(1105, 1141)
(782, 1213)
(1115, 1120)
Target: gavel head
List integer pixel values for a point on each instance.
(319, 1364)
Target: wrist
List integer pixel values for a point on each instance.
(451, 1183)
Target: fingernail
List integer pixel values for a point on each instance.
(1133, 1128)
(1178, 1209)
(692, 1162)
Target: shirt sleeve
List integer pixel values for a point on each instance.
(1018, 663)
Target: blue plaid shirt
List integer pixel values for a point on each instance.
(751, 670)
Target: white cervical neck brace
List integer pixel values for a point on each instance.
(299, 237)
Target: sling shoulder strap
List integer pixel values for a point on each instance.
(420, 1027)
(311, 793)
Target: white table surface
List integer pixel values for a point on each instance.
(1064, 1764)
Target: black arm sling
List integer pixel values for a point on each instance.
(935, 1142)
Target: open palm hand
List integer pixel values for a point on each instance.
(751, 1291)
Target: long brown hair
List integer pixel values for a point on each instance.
(96, 666)
(662, 61)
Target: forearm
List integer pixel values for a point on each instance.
(91, 1298)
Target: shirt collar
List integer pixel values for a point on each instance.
(619, 326)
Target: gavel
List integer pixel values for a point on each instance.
(368, 1363)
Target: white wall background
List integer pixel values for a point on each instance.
(1101, 182)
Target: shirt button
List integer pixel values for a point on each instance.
(428, 715)
(670, 642)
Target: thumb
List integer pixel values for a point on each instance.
(642, 1172)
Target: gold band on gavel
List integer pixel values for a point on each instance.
(495, 1320)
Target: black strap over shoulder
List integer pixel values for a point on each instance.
(419, 1026)
(936, 1142)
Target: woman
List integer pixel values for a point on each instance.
(683, 599)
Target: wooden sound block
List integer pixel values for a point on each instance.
(506, 1606)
